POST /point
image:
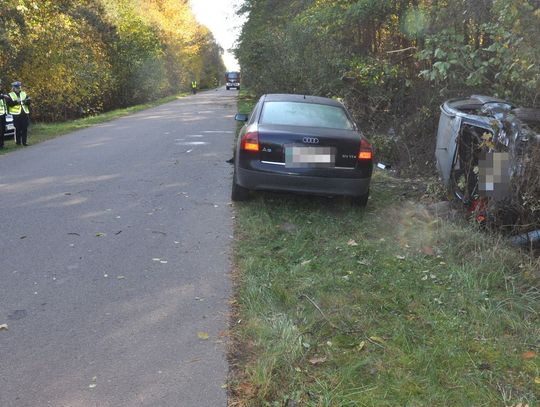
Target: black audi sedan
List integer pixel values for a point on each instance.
(303, 144)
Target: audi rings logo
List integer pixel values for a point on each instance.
(310, 140)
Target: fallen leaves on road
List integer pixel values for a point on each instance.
(121, 277)
(203, 336)
(3, 327)
(99, 234)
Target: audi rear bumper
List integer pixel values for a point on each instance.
(273, 181)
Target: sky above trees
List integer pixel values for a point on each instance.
(221, 18)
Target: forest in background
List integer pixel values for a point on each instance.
(81, 57)
(394, 61)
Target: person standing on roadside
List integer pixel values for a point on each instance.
(3, 112)
(194, 86)
(18, 102)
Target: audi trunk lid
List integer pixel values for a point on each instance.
(276, 141)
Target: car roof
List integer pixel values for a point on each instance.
(288, 97)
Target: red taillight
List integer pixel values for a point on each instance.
(250, 140)
(366, 151)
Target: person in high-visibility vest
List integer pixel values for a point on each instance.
(193, 86)
(18, 102)
(3, 112)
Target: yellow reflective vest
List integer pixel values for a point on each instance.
(16, 110)
(194, 84)
(3, 107)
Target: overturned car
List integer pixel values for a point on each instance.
(488, 155)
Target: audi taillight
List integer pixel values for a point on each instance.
(365, 152)
(250, 140)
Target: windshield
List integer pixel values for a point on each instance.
(232, 75)
(305, 114)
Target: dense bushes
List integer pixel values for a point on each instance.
(394, 61)
(80, 57)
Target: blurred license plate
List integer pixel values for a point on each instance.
(10, 127)
(299, 156)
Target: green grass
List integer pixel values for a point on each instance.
(386, 306)
(40, 132)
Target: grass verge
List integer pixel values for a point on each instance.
(40, 132)
(386, 306)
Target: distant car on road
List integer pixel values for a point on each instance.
(9, 133)
(232, 80)
(304, 144)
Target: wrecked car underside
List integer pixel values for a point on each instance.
(488, 155)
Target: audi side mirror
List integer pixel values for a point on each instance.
(241, 117)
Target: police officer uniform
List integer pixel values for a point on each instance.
(3, 112)
(194, 87)
(18, 102)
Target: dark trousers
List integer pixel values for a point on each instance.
(21, 127)
(2, 129)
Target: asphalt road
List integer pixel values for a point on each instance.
(115, 261)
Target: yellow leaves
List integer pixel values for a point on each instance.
(203, 336)
(487, 141)
(377, 339)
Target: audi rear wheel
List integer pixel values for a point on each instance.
(238, 193)
(360, 201)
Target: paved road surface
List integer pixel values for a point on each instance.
(114, 255)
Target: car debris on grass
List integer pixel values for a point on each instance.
(488, 155)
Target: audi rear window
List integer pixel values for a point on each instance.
(305, 114)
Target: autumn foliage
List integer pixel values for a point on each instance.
(81, 57)
(394, 61)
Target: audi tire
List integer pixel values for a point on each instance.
(238, 193)
(360, 201)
